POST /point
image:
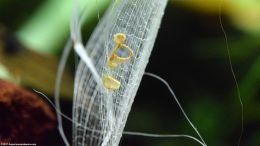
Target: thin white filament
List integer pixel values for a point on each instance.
(78, 46)
(163, 136)
(178, 103)
(60, 113)
(75, 24)
(59, 75)
(81, 52)
(233, 73)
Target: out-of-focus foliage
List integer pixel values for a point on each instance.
(49, 25)
(30, 68)
(4, 73)
(245, 14)
(204, 6)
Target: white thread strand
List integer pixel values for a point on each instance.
(178, 103)
(233, 74)
(58, 80)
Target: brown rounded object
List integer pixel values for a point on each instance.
(24, 116)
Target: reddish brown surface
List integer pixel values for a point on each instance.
(24, 117)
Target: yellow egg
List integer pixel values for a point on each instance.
(110, 83)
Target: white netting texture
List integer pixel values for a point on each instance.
(104, 113)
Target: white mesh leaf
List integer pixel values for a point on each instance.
(102, 113)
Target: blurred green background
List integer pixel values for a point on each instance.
(190, 53)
